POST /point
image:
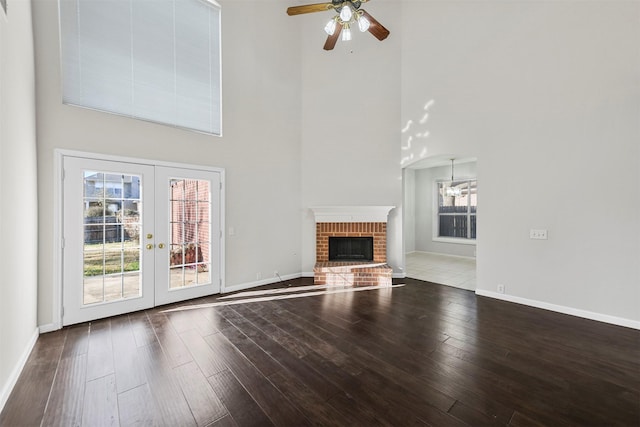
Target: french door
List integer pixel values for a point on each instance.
(137, 236)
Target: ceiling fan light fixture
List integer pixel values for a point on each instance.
(346, 33)
(346, 13)
(363, 23)
(330, 28)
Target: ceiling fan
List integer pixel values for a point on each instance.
(349, 13)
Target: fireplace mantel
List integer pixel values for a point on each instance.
(351, 213)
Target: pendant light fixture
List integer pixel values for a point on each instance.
(452, 191)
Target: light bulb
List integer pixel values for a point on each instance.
(363, 23)
(330, 28)
(346, 13)
(346, 33)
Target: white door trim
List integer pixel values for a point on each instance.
(58, 243)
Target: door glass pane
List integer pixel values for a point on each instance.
(202, 267)
(190, 232)
(112, 227)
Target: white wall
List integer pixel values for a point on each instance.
(260, 149)
(546, 95)
(424, 193)
(350, 125)
(18, 198)
(409, 209)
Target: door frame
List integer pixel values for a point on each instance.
(58, 206)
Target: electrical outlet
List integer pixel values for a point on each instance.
(258, 276)
(538, 234)
(501, 289)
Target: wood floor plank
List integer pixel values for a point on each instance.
(466, 389)
(66, 401)
(141, 327)
(101, 403)
(177, 353)
(270, 400)
(521, 420)
(509, 392)
(205, 405)
(263, 361)
(100, 351)
(137, 408)
(128, 371)
(472, 417)
(242, 407)
(279, 317)
(279, 335)
(426, 403)
(311, 404)
(365, 414)
(226, 421)
(287, 357)
(191, 317)
(203, 355)
(369, 404)
(166, 392)
(551, 381)
(77, 341)
(181, 320)
(596, 390)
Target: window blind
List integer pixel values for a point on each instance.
(156, 60)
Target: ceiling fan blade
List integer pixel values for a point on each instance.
(309, 8)
(333, 39)
(376, 28)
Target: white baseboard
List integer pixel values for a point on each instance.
(249, 285)
(619, 321)
(49, 327)
(7, 388)
(440, 253)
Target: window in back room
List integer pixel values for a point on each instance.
(457, 209)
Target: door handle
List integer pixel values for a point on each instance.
(149, 246)
(161, 245)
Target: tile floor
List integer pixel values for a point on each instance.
(459, 272)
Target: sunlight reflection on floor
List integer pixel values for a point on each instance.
(278, 294)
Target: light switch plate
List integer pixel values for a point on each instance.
(538, 234)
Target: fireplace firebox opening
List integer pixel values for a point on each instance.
(351, 249)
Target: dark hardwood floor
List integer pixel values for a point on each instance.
(421, 354)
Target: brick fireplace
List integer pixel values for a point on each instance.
(377, 230)
(352, 221)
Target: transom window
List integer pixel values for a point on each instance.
(456, 210)
(156, 60)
